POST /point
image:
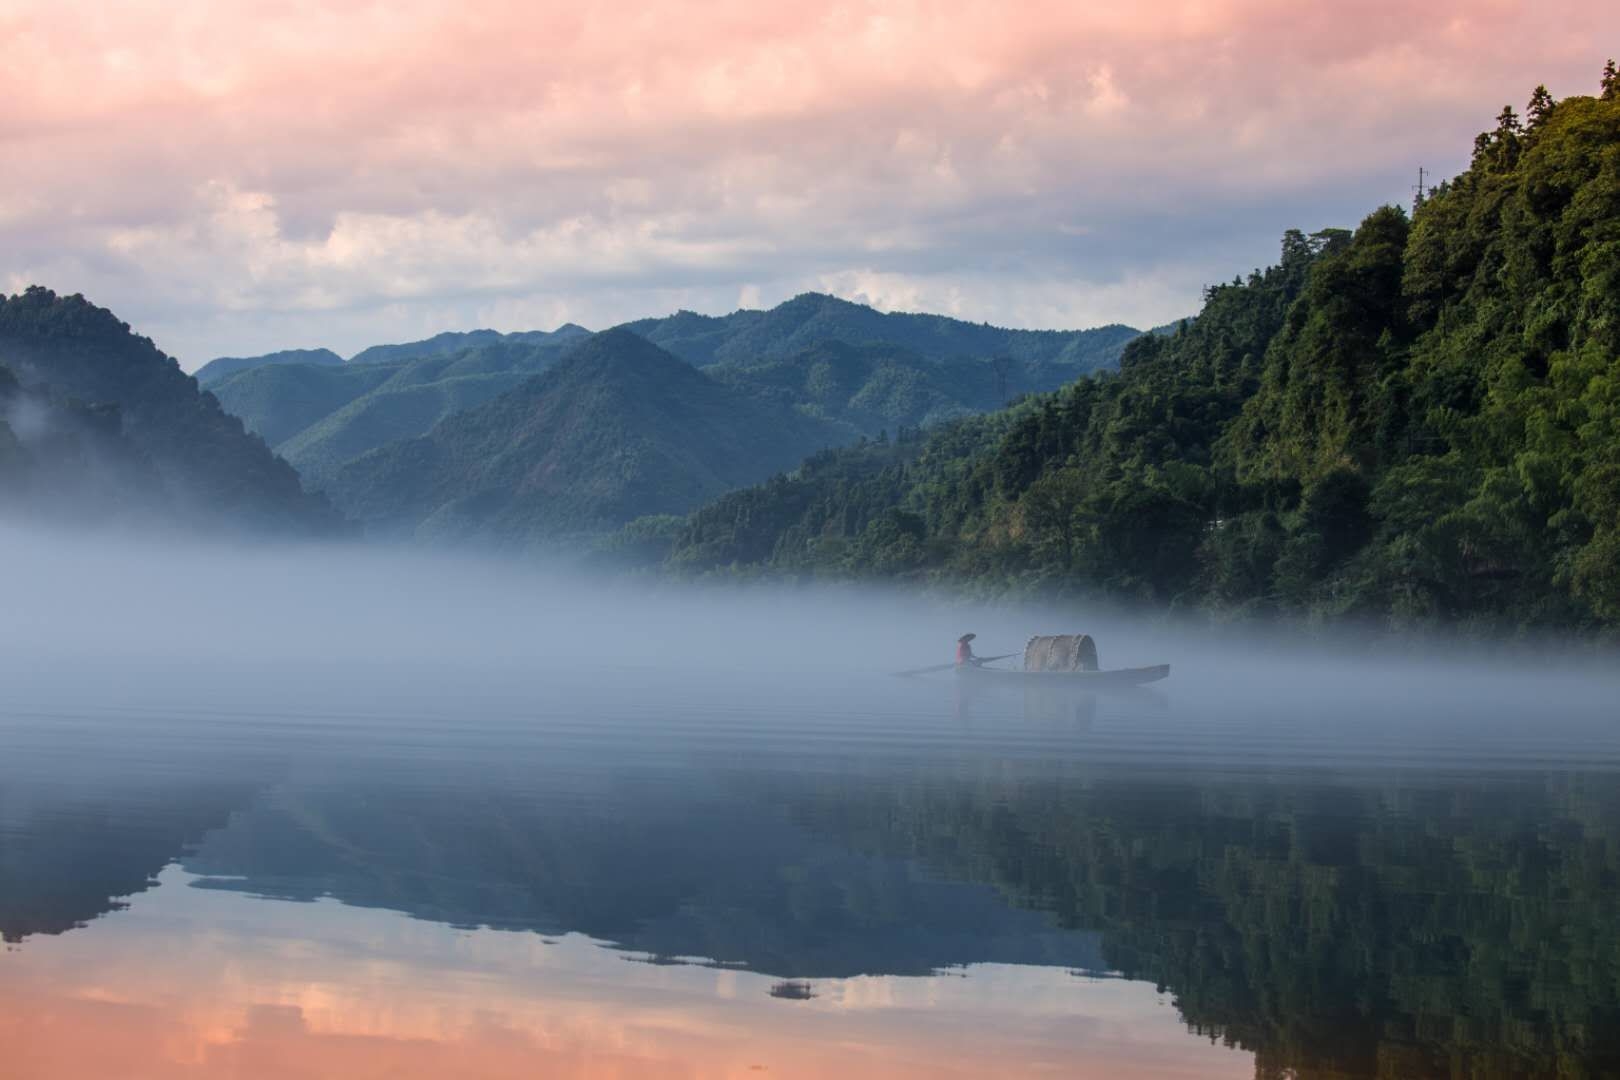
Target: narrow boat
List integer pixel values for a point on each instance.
(1065, 679)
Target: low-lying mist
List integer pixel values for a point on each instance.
(128, 618)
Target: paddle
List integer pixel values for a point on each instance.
(946, 667)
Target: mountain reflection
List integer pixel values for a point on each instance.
(1372, 927)
(705, 870)
(1371, 923)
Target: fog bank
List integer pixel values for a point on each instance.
(127, 618)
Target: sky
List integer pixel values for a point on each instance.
(236, 177)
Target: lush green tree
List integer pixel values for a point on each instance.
(1540, 107)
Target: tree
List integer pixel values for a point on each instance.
(1506, 139)
(1051, 510)
(1540, 107)
(1611, 82)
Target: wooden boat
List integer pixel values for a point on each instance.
(1076, 680)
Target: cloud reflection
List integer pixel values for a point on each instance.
(191, 982)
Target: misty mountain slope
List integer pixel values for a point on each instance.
(812, 319)
(278, 401)
(67, 351)
(619, 428)
(226, 366)
(320, 417)
(455, 342)
(388, 414)
(69, 463)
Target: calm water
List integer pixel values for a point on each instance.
(618, 873)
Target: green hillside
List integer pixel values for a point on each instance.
(278, 401)
(1415, 421)
(415, 397)
(320, 417)
(617, 429)
(226, 366)
(99, 424)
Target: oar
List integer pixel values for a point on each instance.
(946, 667)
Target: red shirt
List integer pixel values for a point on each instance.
(964, 652)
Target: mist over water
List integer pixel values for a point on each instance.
(142, 617)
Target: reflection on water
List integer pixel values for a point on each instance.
(876, 879)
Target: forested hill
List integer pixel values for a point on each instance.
(454, 342)
(811, 319)
(616, 429)
(322, 417)
(1418, 420)
(97, 424)
(226, 366)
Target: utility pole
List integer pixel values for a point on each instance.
(1417, 201)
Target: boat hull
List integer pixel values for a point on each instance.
(1078, 680)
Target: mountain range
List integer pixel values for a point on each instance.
(320, 418)
(810, 319)
(886, 372)
(616, 429)
(508, 439)
(830, 358)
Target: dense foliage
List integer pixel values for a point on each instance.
(99, 424)
(1415, 421)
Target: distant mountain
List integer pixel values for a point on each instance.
(96, 417)
(452, 342)
(320, 418)
(811, 319)
(618, 428)
(225, 366)
(278, 401)
(858, 369)
(872, 388)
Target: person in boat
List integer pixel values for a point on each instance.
(964, 651)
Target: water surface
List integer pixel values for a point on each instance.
(615, 871)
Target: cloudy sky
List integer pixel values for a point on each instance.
(234, 176)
